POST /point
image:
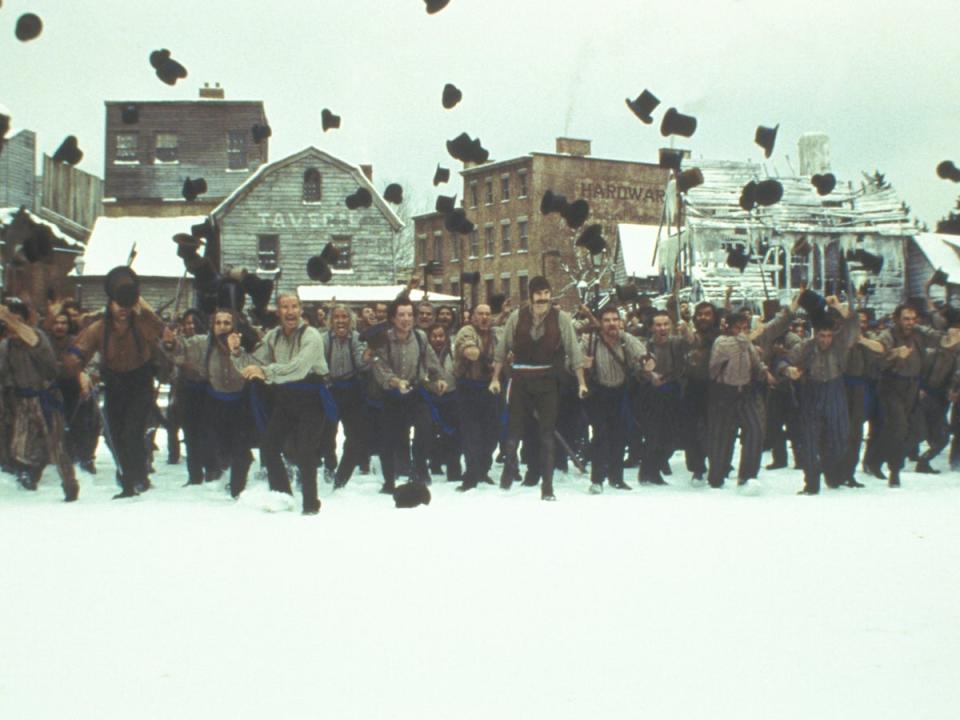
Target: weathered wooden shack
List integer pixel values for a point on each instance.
(288, 210)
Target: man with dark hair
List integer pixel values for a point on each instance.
(542, 339)
(290, 358)
(928, 422)
(445, 452)
(706, 329)
(424, 315)
(401, 366)
(860, 388)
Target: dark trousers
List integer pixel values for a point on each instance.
(400, 413)
(609, 417)
(231, 427)
(534, 394)
(200, 446)
(128, 405)
(445, 450)
(661, 428)
(296, 422)
(929, 422)
(479, 428)
(781, 422)
(694, 425)
(897, 399)
(732, 409)
(350, 403)
(83, 422)
(856, 391)
(825, 427)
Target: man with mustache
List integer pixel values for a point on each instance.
(542, 339)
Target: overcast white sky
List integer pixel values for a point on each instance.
(880, 77)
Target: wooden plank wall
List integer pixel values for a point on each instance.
(17, 171)
(72, 193)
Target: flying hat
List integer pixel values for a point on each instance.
(766, 137)
(457, 222)
(592, 239)
(29, 27)
(360, 199)
(69, 151)
(441, 175)
(643, 105)
(411, 494)
(193, 189)
(329, 120)
(261, 133)
(319, 266)
(873, 264)
(451, 96)
(675, 123)
(465, 150)
(167, 69)
(824, 183)
(689, 179)
(812, 303)
(435, 6)
(446, 203)
(737, 258)
(552, 202)
(671, 159)
(122, 286)
(393, 193)
(948, 171)
(576, 213)
(768, 192)
(748, 196)
(130, 115)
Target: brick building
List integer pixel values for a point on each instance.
(513, 241)
(162, 143)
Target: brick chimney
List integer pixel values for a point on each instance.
(571, 146)
(368, 171)
(212, 93)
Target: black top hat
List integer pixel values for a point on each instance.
(29, 27)
(939, 277)
(441, 175)
(446, 203)
(360, 199)
(824, 183)
(193, 189)
(130, 115)
(411, 494)
(451, 96)
(592, 239)
(457, 222)
(393, 193)
(470, 278)
(329, 120)
(689, 179)
(645, 104)
(69, 151)
(737, 258)
(464, 149)
(261, 133)
(122, 286)
(318, 269)
(873, 264)
(671, 159)
(948, 171)
(675, 123)
(576, 213)
(435, 6)
(766, 137)
(768, 192)
(748, 196)
(167, 69)
(552, 202)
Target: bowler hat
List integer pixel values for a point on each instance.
(575, 214)
(411, 494)
(29, 26)
(69, 151)
(824, 183)
(766, 137)
(552, 202)
(360, 199)
(465, 150)
(329, 120)
(812, 303)
(451, 96)
(167, 69)
(592, 239)
(319, 270)
(457, 222)
(676, 123)
(122, 286)
(193, 188)
(689, 179)
(737, 257)
(435, 6)
(643, 105)
(393, 193)
(948, 171)
(260, 133)
(768, 192)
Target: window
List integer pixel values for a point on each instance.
(422, 249)
(455, 287)
(523, 287)
(126, 146)
(490, 289)
(343, 243)
(438, 286)
(236, 150)
(166, 151)
(473, 194)
(505, 286)
(504, 239)
(268, 252)
(488, 240)
(488, 191)
(522, 177)
(438, 247)
(456, 244)
(474, 244)
(522, 245)
(312, 186)
(504, 188)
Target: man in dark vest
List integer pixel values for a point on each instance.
(542, 339)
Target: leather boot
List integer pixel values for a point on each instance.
(510, 471)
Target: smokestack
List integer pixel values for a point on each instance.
(212, 93)
(814, 151)
(571, 146)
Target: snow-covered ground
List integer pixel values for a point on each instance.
(664, 602)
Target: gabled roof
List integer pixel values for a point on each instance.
(251, 182)
(7, 216)
(942, 251)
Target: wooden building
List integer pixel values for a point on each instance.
(513, 241)
(34, 281)
(18, 170)
(147, 161)
(288, 210)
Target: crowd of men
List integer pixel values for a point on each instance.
(433, 391)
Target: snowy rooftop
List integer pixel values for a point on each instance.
(113, 237)
(943, 252)
(364, 293)
(7, 215)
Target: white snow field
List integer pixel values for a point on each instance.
(665, 602)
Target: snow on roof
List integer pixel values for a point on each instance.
(112, 238)
(942, 252)
(7, 215)
(638, 244)
(365, 293)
